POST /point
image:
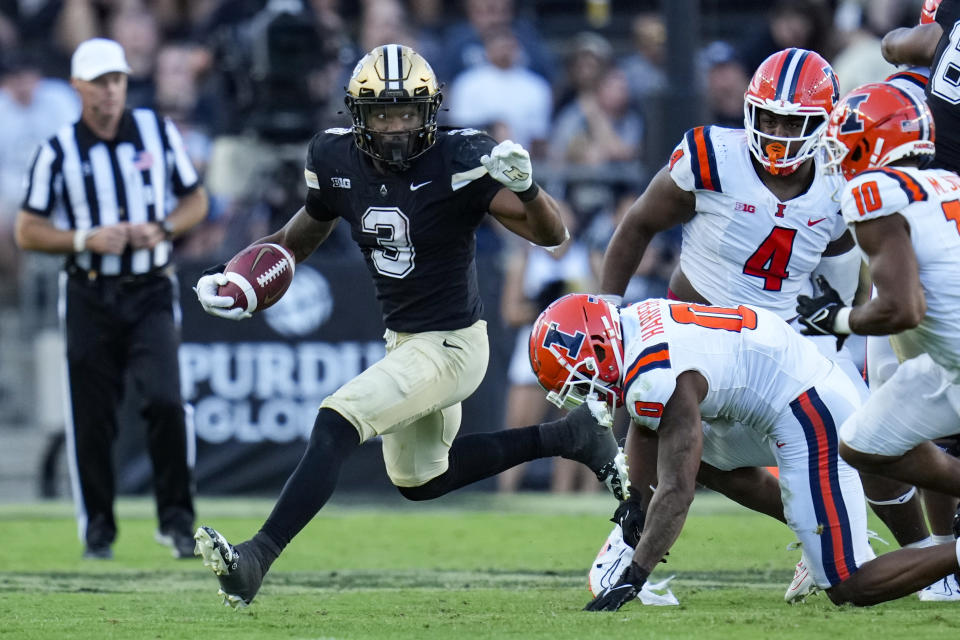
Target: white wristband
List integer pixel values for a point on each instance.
(553, 250)
(841, 324)
(80, 240)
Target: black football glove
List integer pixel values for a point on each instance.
(625, 590)
(818, 315)
(630, 515)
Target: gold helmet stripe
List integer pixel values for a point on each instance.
(393, 67)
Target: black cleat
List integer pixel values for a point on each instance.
(237, 568)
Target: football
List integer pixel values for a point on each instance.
(258, 276)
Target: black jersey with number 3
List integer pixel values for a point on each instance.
(415, 228)
(943, 90)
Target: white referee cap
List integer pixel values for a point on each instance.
(97, 56)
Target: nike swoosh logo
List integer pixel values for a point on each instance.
(780, 444)
(414, 187)
(810, 222)
(261, 253)
(269, 299)
(451, 346)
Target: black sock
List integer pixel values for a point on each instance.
(311, 484)
(554, 437)
(480, 455)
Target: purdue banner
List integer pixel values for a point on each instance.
(254, 386)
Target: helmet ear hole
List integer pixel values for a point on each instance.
(857, 152)
(600, 352)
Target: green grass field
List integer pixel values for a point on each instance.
(469, 566)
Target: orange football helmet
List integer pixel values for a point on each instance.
(876, 124)
(576, 349)
(928, 13)
(792, 82)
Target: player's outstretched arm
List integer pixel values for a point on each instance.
(680, 445)
(538, 221)
(522, 207)
(911, 45)
(678, 458)
(662, 205)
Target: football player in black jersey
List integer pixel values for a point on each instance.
(935, 43)
(413, 195)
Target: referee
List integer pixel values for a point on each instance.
(111, 191)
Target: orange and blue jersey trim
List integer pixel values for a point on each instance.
(914, 190)
(703, 161)
(910, 76)
(820, 432)
(655, 357)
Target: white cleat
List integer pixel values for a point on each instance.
(945, 590)
(611, 560)
(802, 585)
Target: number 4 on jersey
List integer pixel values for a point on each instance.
(771, 258)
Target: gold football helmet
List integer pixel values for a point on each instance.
(393, 98)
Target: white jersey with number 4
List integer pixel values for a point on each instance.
(743, 244)
(754, 363)
(929, 200)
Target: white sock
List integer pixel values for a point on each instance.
(920, 544)
(942, 539)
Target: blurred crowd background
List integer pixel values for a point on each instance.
(599, 91)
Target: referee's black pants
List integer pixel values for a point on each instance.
(116, 326)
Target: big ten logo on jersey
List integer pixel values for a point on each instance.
(266, 391)
(744, 207)
(340, 183)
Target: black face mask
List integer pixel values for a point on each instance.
(395, 148)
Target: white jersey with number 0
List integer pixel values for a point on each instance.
(754, 363)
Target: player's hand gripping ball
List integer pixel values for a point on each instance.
(253, 280)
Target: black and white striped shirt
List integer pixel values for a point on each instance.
(81, 182)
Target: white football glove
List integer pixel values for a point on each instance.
(213, 304)
(509, 164)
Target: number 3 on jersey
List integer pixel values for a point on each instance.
(771, 258)
(395, 256)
